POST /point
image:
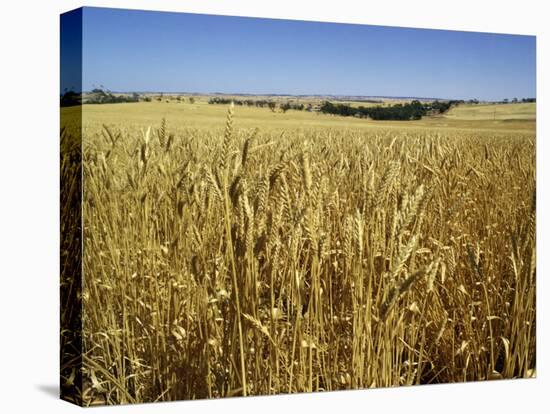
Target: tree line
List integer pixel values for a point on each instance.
(398, 112)
(96, 96)
(408, 111)
(516, 100)
(99, 96)
(261, 103)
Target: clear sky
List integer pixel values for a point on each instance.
(176, 52)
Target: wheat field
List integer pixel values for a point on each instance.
(251, 261)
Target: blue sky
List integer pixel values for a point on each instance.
(156, 51)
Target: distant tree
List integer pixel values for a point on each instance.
(100, 96)
(191, 100)
(515, 100)
(70, 98)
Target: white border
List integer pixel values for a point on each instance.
(29, 223)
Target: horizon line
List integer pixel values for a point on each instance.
(304, 95)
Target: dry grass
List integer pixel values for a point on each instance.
(237, 262)
(508, 112)
(205, 117)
